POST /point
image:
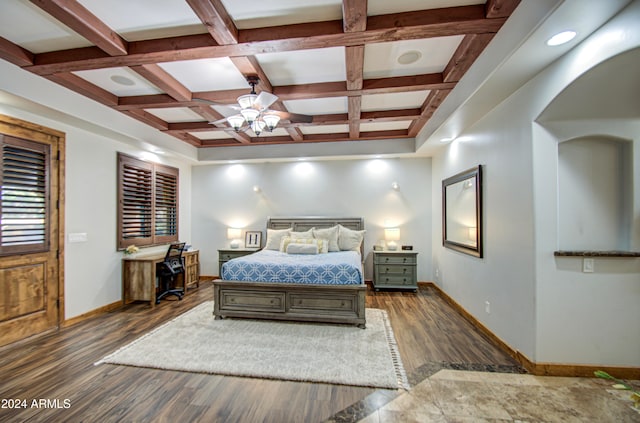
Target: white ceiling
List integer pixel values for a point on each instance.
(515, 55)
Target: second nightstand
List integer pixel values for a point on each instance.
(395, 270)
(226, 254)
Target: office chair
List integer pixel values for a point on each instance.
(168, 270)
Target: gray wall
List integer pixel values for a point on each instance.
(223, 196)
(541, 305)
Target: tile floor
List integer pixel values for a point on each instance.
(472, 396)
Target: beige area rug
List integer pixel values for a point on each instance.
(337, 354)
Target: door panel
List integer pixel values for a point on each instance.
(31, 224)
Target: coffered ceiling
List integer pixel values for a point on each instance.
(363, 70)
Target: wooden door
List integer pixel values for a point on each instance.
(31, 177)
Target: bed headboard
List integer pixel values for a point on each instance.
(304, 223)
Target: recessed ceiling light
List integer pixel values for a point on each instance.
(561, 38)
(409, 57)
(122, 80)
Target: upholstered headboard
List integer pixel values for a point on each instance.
(304, 223)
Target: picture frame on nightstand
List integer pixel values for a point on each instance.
(253, 239)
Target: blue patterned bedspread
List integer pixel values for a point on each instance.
(338, 268)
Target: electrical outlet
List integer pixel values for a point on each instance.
(587, 265)
(487, 307)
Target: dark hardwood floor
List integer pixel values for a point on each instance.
(59, 367)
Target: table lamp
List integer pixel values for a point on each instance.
(391, 235)
(234, 235)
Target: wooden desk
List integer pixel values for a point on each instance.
(139, 275)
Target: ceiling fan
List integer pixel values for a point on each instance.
(254, 111)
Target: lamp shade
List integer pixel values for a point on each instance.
(271, 121)
(234, 233)
(250, 115)
(392, 234)
(236, 121)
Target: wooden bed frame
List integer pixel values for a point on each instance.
(290, 301)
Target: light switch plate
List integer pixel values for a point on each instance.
(587, 265)
(78, 237)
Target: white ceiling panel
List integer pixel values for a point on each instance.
(324, 129)
(381, 59)
(383, 7)
(211, 135)
(304, 66)
(260, 13)
(318, 106)
(146, 19)
(207, 74)
(31, 28)
(393, 101)
(176, 114)
(122, 82)
(384, 126)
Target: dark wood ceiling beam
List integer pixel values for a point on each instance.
(384, 28)
(186, 137)
(464, 56)
(214, 16)
(354, 60)
(433, 101)
(296, 92)
(500, 8)
(354, 15)
(318, 120)
(146, 117)
(208, 113)
(15, 54)
(84, 87)
(163, 80)
(81, 20)
(354, 116)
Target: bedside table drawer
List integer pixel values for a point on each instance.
(395, 269)
(395, 280)
(394, 259)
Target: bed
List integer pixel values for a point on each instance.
(327, 288)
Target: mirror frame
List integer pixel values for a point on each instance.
(475, 176)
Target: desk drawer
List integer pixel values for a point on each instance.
(249, 300)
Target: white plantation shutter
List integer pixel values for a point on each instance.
(24, 196)
(147, 202)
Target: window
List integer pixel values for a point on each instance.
(147, 203)
(24, 196)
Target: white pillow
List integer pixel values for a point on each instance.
(348, 239)
(302, 249)
(274, 236)
(330, 234)
(305, 234)
(320, 243)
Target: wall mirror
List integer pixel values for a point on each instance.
(462, 212)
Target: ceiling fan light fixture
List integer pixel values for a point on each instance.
(247, 101)
(250, 115)
(257, 126)
(236, 122)
(271, 121)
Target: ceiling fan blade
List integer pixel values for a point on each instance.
(223, 120)
(292, 117)
(265, 100)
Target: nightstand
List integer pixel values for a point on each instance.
(226, 254)
(395, 270)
